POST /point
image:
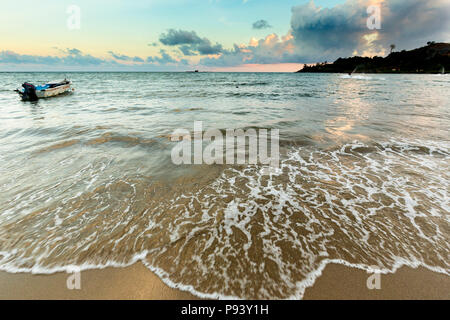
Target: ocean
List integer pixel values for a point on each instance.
(87, 179)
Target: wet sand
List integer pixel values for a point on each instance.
(137, 282)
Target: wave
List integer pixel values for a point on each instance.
(359, 77)
(251, 84)
(62, 145)
(129, 140)
(236, 232)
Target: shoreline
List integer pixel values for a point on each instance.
(337, 282)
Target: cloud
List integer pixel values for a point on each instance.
(75, 59)
(189, 43)
(270, 50)
(413, 22)
(122, 57)
(74, 52)
(328, 33)
(261, 24)
(178, 37)
(10, 57)
(207, 47)
(165, 59)
(316, 34)
(72, 57)
(325, 34)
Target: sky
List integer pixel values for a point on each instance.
(210, 35)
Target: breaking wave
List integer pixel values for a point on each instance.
(241, 233)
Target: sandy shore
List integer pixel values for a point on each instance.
(137, 282)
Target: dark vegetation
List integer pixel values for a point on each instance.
(433, 58)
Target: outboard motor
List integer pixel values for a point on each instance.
(29, 92)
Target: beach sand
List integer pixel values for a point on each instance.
(137, 282)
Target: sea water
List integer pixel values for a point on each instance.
(87, 179)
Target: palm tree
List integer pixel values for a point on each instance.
(392, 47)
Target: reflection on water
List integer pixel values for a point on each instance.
(351, 111)
(87, 179)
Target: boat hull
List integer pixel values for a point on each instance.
(52, 92)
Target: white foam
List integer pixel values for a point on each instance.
(360, 77)
(317, 187)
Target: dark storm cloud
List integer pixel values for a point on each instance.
(411, 23)
(327, 33)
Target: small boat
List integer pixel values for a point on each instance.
(29, 92)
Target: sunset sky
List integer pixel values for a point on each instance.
(214, 35)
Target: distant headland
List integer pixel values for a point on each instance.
(433, 58)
